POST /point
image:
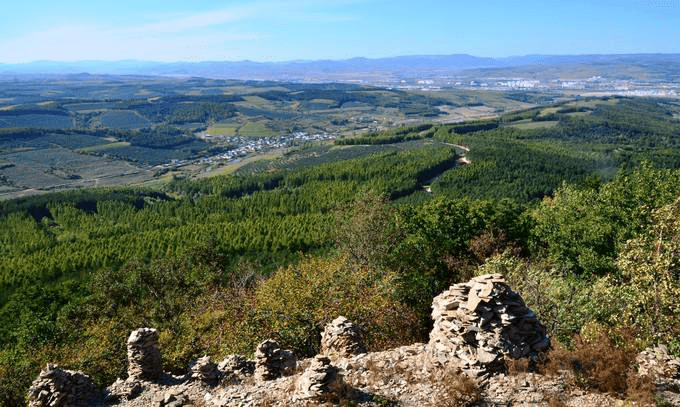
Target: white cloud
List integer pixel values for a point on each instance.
(92, 43)
(202, 35)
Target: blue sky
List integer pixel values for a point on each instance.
(281, 30)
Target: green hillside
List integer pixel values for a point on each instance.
(578, 204)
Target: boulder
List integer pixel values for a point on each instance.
(205, 370)
(658, 362)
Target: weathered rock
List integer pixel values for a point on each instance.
(272, 362)
(319, 381)
(205, 370)
(123, 390)
(479, 323)
(144, 355)
(234, 369)
(55, 387)
(341, 338)
(236, 364)
(658, 362)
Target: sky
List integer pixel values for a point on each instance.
(284, 30)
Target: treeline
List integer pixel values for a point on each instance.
(390, 136)
(179, 110)
(164, 137)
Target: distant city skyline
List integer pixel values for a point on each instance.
(286, 30)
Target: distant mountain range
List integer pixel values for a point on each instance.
(360, 69)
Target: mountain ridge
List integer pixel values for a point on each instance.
(323, 69)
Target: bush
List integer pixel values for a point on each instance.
(605, 363)
(564, 304)
(647, 289)
(298, 301)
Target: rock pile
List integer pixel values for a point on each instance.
(144, 355)
(234, 369)
(123, 390)
(319, 381)
(205, 370)
(170, 398)
(55, 387)
(272, 362)
(657, 361)
(479, 323)
(341, 339)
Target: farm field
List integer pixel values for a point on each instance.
(160, 125)
(58, 168)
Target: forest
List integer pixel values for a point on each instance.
(577, 204)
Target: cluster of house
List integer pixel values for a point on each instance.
(243, 146)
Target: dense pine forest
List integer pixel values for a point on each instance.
(577, 204)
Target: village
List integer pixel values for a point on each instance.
(240, 147)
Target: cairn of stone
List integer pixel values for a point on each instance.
(479, 323)
(658, 362)
(55, 387)
(272, 362)
(144, 355)
(341, 339)
(205, 370)
(319, 381)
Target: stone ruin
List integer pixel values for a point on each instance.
(341, 339)
(320, 380)
(234, 369)
(478, 326)
(205, 370)
(55, 387)
(272, 362)
(144, 355)
(479, 323)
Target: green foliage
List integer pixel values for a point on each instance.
(564, 304)
(390, 136)
(297, 302)
(366, 232)
(582, 229)
(647, 289)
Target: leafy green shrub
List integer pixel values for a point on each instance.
(582, 230)
(298, 301)
(647, 289)
(563, 303)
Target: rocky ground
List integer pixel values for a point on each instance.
(479, 327)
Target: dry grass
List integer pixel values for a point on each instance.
(455, 389)
(601, 365)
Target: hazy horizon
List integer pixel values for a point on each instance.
(305, 30)
(132, 60)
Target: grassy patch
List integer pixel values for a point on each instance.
(257, 101)
(526, 124)
(103, 147)
(257, 129)
(222, 129)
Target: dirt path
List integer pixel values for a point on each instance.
(463, 160)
